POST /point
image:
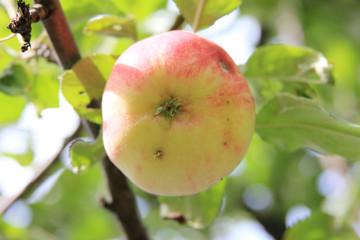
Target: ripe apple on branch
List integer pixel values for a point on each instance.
(178, 115)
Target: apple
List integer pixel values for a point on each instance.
(178, 115)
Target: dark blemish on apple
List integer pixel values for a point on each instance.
(81, 93)
(159, 154)
(224, 66)
(228, 102)
(225, 144)
(228, 119)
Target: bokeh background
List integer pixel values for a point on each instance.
(270, 191)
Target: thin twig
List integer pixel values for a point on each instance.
(8, 37)
(198, 13)
(40, 175)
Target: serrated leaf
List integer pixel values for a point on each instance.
(203, 13)
(10, 108)
(320, 226)
(283, 68)
(196, 210)
(84, 153)
(112, 26)
(83, 85)
(295, 122)
(14, 80)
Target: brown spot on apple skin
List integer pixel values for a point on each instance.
(139, 168)
(238, 149)
(159, 154)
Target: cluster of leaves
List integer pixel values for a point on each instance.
(293, 90)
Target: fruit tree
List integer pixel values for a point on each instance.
(179, 119)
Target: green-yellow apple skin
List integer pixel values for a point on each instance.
(182, 150)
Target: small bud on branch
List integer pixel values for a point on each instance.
(21, 24)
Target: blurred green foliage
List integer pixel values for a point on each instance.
(267, 184)
(83, 85)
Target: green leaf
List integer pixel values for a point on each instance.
(14, 80)
(320, 226)
(45, 91)
(23, 159)
(140, 8)
(283, 68)
(295, 122)
(197, 210)
(203, 13)
(10, 108)
(112, 25)
(38, 84)
(289, 63)
(83, 85)
(5, 56)
(84, 153)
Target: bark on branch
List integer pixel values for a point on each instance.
(123, 203)
(59, 33)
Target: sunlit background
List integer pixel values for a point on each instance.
(271, 186)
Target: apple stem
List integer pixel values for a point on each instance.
(169, 109)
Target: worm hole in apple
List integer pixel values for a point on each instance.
(224, 66)
(158, 154)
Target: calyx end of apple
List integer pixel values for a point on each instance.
(169, 109)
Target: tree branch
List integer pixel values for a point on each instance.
(41, 174)
(59, 33)
(123, 203)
